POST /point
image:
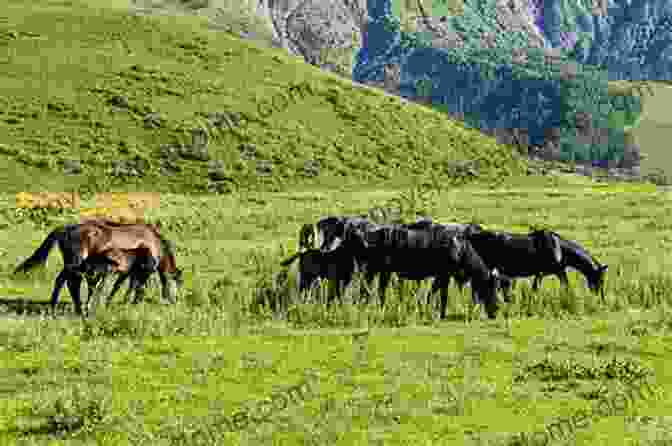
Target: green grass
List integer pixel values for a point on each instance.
(150, 371)
(77, 57)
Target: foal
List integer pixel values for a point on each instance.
(139, 264)
(337, 266)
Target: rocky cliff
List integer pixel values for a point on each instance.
(631, 40)
(325, 33)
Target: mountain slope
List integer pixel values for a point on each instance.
(116, 93)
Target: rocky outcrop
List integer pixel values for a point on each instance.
(325, 33)
(632, 39)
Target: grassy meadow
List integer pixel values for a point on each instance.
(115, 93)
(159, 373)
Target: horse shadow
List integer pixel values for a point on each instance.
(27, 307)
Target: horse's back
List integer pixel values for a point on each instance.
(101, 238)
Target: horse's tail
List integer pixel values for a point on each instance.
(290, 259)
(40, 255)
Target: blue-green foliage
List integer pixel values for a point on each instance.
(491, 90)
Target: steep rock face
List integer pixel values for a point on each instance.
(325, 33)
(632, 39)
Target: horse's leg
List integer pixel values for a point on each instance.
(506, 287)
(368, 277)
(58, 284)
(133, 287)
(461, 280)
(384, 280)
(443, 285)
(92, 282)
(435, 287)
(334, 292)
(74, 286)
(165, 291)
(138, 282)
(116, 286)
(537, 281)
(564, 280)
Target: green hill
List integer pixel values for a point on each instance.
(655, 130)
(118, 93)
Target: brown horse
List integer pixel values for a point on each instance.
(104, 239)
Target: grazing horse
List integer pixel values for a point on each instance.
(429, 251)
(138, 263)
(519, 255)
(577, 257)
(337, 266)
(146, 265)
(78, 242)
(332, 230)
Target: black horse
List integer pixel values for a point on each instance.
(519, 255)
(332, 230)
(337, 266)
(428, 251)
(577, 257)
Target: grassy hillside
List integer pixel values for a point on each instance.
(655, 130)
(100, 86)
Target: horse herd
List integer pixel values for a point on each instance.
(488, 260)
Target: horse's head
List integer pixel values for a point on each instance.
(488, 293)
(307, 237)
(330, 232)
